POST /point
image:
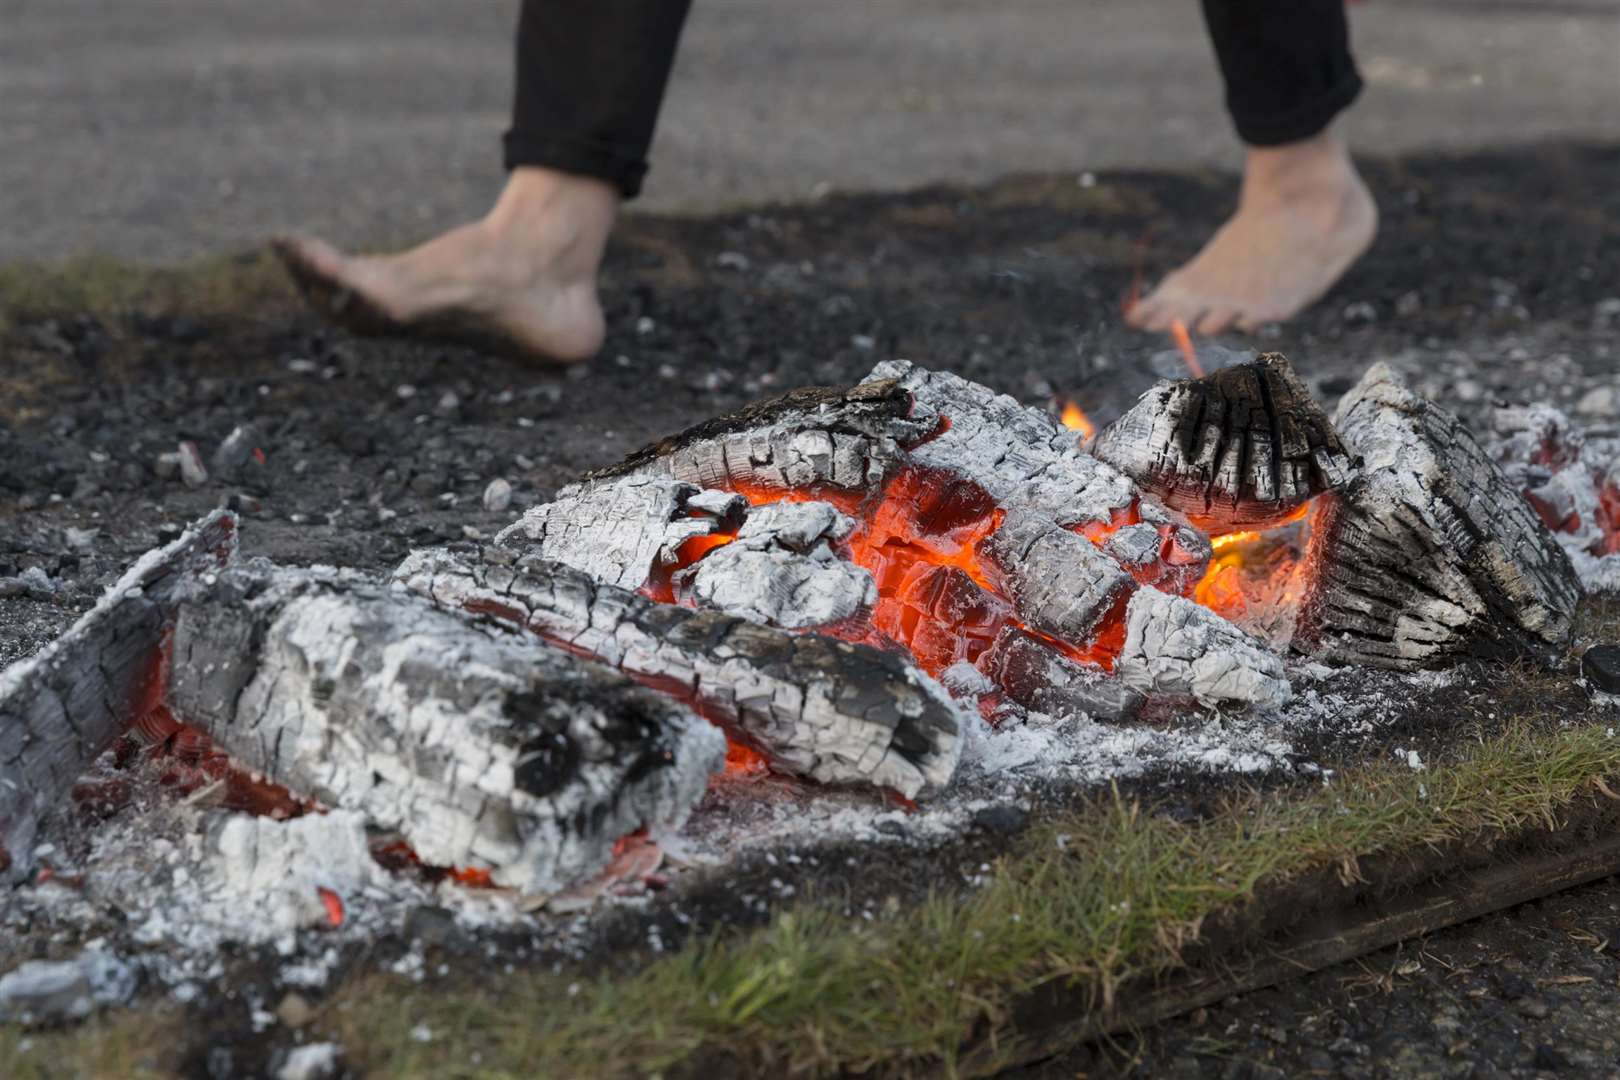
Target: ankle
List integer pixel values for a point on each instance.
(545, 205)
(1306, 171)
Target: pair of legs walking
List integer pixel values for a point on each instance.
(590, 80)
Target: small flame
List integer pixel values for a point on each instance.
(1075, 419)
(1184, 342)
(1233, 539)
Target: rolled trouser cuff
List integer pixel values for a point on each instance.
(1300, 122)
(581, 157)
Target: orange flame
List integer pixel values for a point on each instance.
(1184, 342)
(1075, 419)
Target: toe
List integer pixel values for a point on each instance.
(1155, 313)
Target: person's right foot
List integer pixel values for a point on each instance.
(521, 280)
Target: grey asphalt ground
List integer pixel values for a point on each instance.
(162, 129)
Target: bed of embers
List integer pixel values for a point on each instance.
(837, 615)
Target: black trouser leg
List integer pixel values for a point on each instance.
(590, 78)
(1287, 65)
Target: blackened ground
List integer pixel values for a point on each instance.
(1497, 275)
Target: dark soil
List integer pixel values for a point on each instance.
(1496, 276)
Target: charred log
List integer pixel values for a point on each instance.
(1032, 673)
(1241, 448)
(481, 746)
(829, 710)
(1433, 555)
(64, 706)
(842, 438)
(1061, 584)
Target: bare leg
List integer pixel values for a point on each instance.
(524, 275)
(1303, 217)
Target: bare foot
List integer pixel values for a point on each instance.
(521, 280)
(1303, 218)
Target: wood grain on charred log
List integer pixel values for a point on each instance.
(1433, 555)
(1241, 448)
(843, 438)
(481, 746)
(829, 710)
(63, 707)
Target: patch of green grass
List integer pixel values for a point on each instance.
(110, 288)
(1107, 896)
(123, 1046)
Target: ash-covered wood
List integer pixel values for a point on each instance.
(1034, 674)
(619, 530)
(1174, 646)
(783, 569)
(1241, 448)
(1019, 455)
(1060, 583)
(840, 437)
(62, 707)
(1433, 555)
(825, 709)
(480, 745)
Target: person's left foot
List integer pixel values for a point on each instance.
(1303, 218)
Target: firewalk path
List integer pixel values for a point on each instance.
(168, 129)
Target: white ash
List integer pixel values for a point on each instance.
(269, 874)
(619, 530)
(783, 570)
(312, 1061)
(48, 992)
(497, 495)
(1174, 646)
(1563, 467)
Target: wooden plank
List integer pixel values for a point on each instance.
(1355, 928)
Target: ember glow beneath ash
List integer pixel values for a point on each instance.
(839, 599)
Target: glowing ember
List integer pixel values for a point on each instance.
(744, 762)
(333, 903)
(1075, 419)
(1184, 343)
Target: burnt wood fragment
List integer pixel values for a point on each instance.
(840, 437)
(620, 530)
(1174, 646)
(829, 710)
(62, 707)
(1034, 674)
(479, 745)
(1241, 448)
(1432, 555)
(1061, 584)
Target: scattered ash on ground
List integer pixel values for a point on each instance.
(1497, 277)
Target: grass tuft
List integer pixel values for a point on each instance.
(109, 288)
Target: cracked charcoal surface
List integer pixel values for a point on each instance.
(841, 438)
(1433, 555)
(1241, 448)
(619, 530)
(63, 706)
(1061, 583)
(1174, 646)
(835, 712)
(481, 746)
(1035, 675)
(1019, 455)
(782, 570)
